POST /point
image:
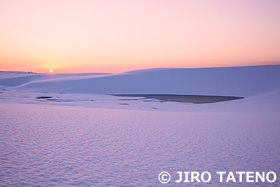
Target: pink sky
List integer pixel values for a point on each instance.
(121, 35)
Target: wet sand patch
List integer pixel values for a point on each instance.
(197, 99)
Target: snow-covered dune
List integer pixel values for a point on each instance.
(235, 81)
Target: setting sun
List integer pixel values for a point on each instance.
(51, 70)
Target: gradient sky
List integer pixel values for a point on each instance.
(121, 35)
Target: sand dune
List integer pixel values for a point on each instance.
(58, 139)
(226, 81)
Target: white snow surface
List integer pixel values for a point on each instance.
(83, 137)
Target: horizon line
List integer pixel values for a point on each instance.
(203, 67)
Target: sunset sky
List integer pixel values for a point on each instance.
(120, 35)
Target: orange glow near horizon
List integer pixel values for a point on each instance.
(117, 36)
